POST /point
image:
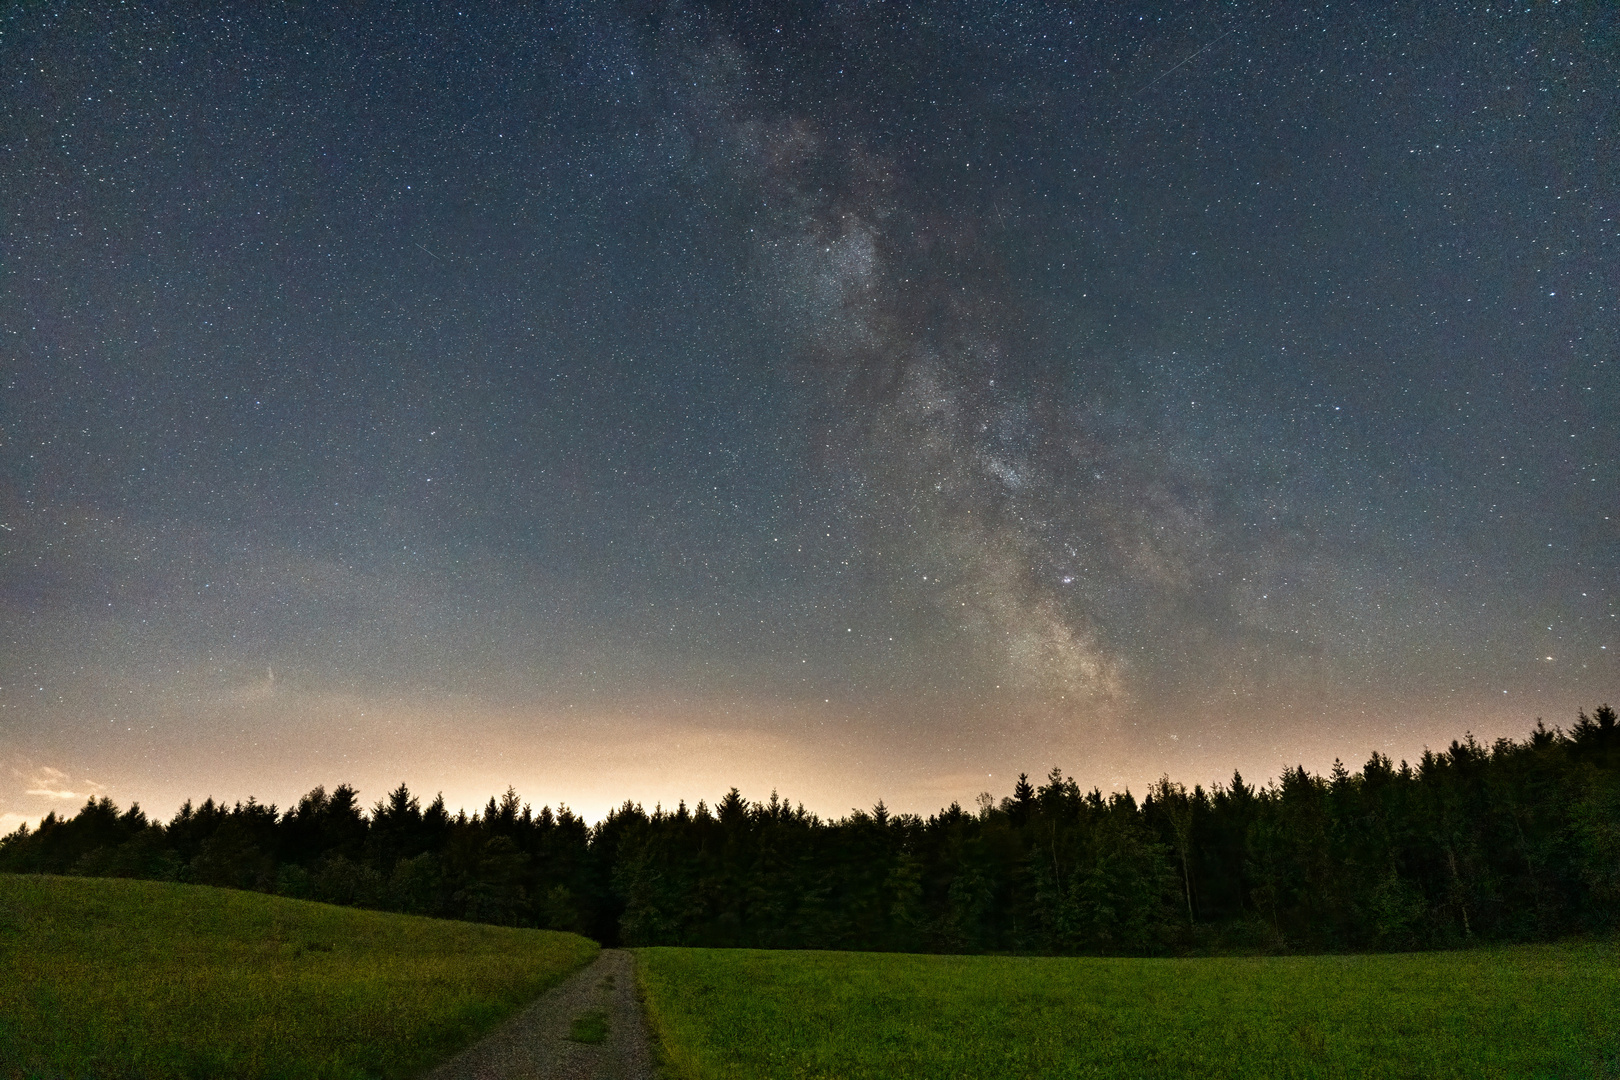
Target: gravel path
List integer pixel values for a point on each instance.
(535, 1044)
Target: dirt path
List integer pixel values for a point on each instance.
(535, 1044)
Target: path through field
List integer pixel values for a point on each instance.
(597, 1003)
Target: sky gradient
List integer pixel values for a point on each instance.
(857, 400)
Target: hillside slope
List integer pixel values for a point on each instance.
(109, 978)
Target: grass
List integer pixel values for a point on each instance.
(1524, 1011)
(107, 978)
(589, 1027)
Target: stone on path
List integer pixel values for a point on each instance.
(534, 1044)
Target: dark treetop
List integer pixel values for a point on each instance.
(1511, 842)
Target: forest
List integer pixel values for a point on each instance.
(1515, 841)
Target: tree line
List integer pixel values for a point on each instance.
(1515, 841)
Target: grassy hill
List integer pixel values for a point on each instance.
(113, 978)
(1525, 1011)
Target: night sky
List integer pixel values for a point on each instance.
(861, 400)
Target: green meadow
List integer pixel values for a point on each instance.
(1523, 1011)
(111, 978)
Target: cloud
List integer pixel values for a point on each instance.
(48, 783)
(10, 823)
(35, 790)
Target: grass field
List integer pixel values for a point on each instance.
(1531, 1011)
(109, 978)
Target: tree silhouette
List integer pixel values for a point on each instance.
(1515, 841)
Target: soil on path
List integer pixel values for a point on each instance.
(535, 1044)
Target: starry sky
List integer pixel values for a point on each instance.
(860, 400)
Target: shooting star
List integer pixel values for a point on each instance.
(435, 258)
(1184, 61)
